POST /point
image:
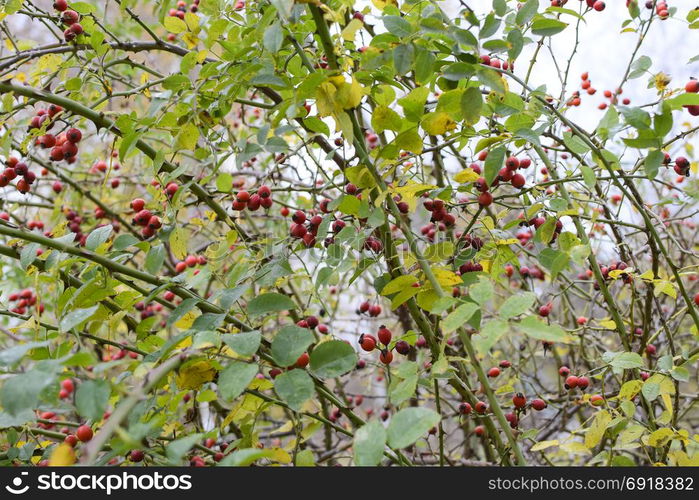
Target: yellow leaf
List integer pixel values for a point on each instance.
(408, 192)
(630, 389)
(174, 24)
(660, 437)
(325, 99)
(648, 275)
(178, 243)
(438, 123)
(607, 323)
(619, 272)
(574, 447)
(193, 375)
(511, 241)
(597, 429)
(665, 287)
(446, 278)
(351, 29)
(63, 455)
(467, 175)
(542, 445)
(349, 95)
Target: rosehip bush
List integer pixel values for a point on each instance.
(316, 233)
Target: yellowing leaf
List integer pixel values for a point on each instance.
(174, 24)
(630, 389)
(186, 321)
(349, 95)
(178, 243)
(446, 278)
(542, 445)
(351, 29)
(408, 192)
(665, 287)
(62, 456)
(438, 123)
(467, 175)
(325, 99)
(660, 437)
(194, 375)
(597, 429)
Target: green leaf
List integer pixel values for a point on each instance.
(384, 118)
(234, 378)
(176, 449)
(410, 424)
(652, 163)
(640, 66)
(13, 354)
(459, 316)
(98, 236)
(526, 12)
(21, 392)
(517, 304)
(244, 343)
(471, 105)
(91, 398)
(369, 443)
(397, 25)
(493, 163)
(627, 360)
(535, 328)
(155, 259)
(273, 38)
(294, 387)
(269, 302)
(490, 333)
(74, 318)
(124, 241)
(544, 26)
(290, 343)
(332, 359)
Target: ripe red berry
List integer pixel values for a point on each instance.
(375, 310)
(191, 260)
(465, 408)
(71, 440)
(136, 456)
(485, 199)
(264, 191)
(571, 382)
(384, 335)
(481, 407)
(68, 385)
(538, 404)
(367, 342)
(69, 17)
(597, 400)
(583, 382)
(84, 433)
(60, 5)
(386, 357)
(599, 6)
(692, 86)
(494, 372)
(519, 400)
(303, 360)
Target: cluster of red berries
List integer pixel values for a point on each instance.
(182, 8)
(67, 388)
(148, 310)
(497, 63)
(15, 168)
(383, 336)
(571, 381)
(262, 198)
(111, 353)
(620, 266)
(692, 87)
(681, 166)
(145, 218)
(439, 212)
(372, 310)
(190, 261)
(661, 9)
(312, 322)
(307, 232)
(24, 300)
(69, 18)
